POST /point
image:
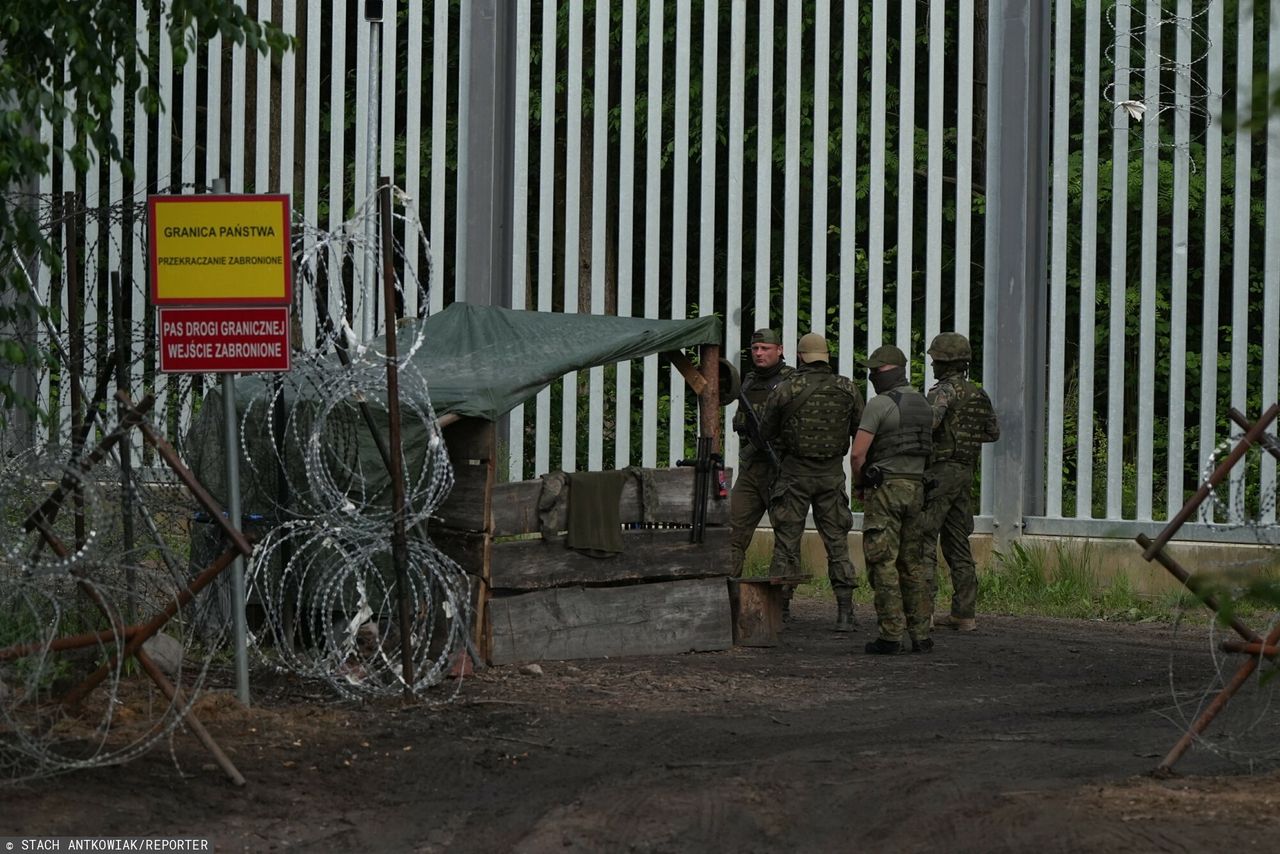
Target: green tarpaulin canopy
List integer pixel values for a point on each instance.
(478, 361)
(484, 361)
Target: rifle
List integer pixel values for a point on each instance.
(755, 433)
(704, 466)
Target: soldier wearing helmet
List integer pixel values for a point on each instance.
(963, 421)
(750, 496)
(895, 438)
(811, 417)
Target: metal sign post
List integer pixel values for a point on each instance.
(221, 277)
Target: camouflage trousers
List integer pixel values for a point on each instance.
(748, 501)
(794, 492)
(948, 512)
(891, 545)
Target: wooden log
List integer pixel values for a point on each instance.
(641, 619)
(647, 554)
(515, 505)
(467, 505)
(757, 611)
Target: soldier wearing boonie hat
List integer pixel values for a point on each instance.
(749, 498)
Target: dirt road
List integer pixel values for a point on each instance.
(1028, 735)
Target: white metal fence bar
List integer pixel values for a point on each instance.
(964, 166)
(679, 219)
(1212, 247)
(337, 154)
(1178, 297)
(707, 198)
(1240, 237)
(262, 112)
(906, 178)
(572, 227)
(1116, 304)
(734, 282)
(1271, 266)
(1061, 117)
(311, 164)
(439, 116)
(1150, 217)
(1088, 259)
(875, 224)
(546, 222)
(599, 225)
(652, 228)
(848, 178)
(791, 179)
(764, 167)
(519, 212)
(933, 241)
(626, 223)
(821, 140)
(413, 148)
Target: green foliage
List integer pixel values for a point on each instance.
(62, 62)
(1062, 580)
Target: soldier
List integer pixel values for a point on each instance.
(888, 461)
(756, 471)
(962, 421)
(813, 414)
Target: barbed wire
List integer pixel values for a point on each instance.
(316, 493)
(1144, 102)
(1243, 731)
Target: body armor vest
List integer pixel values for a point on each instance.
(914, 434)
(819, 427)
(756, 389)
(965, 427)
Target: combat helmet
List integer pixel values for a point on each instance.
(950, 347)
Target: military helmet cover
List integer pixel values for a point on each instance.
(813, 348)
(950, 347)
(766, 336)
(886, 354)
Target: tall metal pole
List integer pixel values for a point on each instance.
(1016, 253)
(399, 542)
(231, 443)
(486, 151)
(372, 14)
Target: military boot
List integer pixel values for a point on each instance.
(844, 611)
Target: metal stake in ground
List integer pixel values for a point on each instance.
(399, 544)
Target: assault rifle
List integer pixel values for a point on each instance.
(704, 466)
(755, 432)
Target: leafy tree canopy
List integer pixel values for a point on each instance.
(61, 61)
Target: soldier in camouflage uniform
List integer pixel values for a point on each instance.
(750, 496)
(962, 421)
(812, 415)
(888, 460)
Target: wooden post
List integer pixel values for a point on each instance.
(709, 397)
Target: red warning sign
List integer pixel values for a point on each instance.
(246, 339)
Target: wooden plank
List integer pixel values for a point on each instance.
(467, 505)
(757, 611)
(641, 619)
(470, 439)
(466, 548)
(515, 505)
(647, 554)
(681, 363)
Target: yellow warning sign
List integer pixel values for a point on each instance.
(220, 249)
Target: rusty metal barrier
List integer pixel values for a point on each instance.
(1254, 646)
(134, 636)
